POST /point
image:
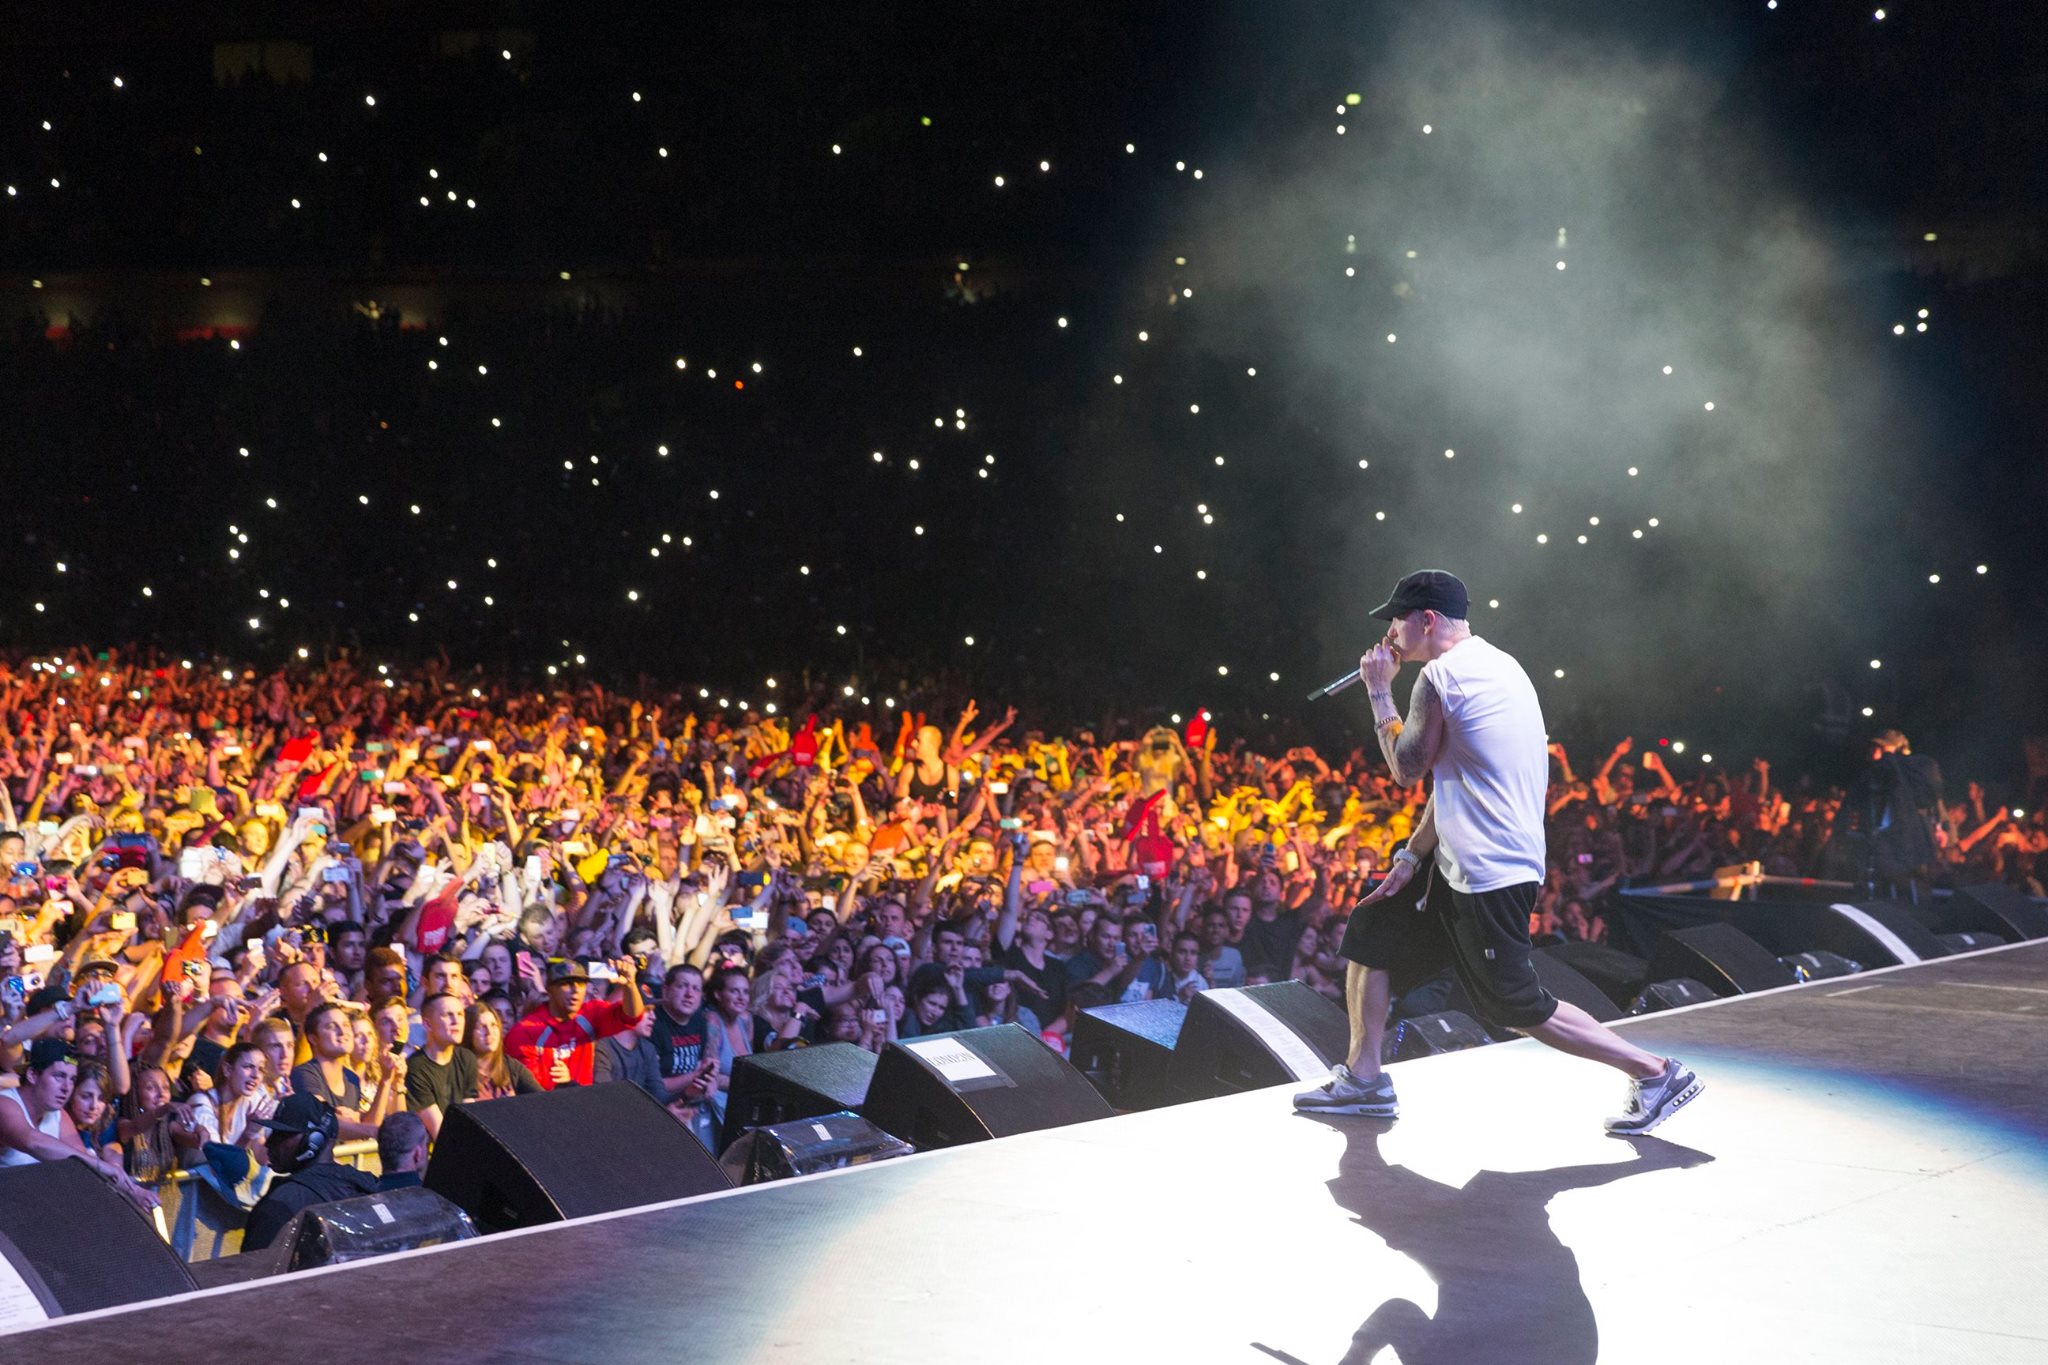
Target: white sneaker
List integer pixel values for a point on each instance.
(1344, 1093)
(1653, 1101)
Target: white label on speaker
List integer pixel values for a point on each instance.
(950, 1058)
(383, 1214)
(19, 1306)
(1298, 1057)
(824, 1133)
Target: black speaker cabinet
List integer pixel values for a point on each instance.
(78, 1245)
(775, 1087)
(1669, 995)
(1127, 1051)
(1618, 975)
(822, 1142)
(1990, 907)
(1819, 965)
(1719, 956)
(364, 1226)
(953, 1088)
(1875, 933)
(1257, 1036)
(1567, 984)
(1428, 1034)
(563, 1153)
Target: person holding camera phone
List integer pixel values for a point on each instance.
(557, 1039)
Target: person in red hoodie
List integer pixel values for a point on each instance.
(557, 1040)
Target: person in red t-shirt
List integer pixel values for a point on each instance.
(558, 1040)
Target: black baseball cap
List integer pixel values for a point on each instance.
(566, 969)
(297, 1112)
(1427, 590)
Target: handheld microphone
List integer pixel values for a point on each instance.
(1335, 686)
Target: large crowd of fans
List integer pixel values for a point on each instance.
(396, 894)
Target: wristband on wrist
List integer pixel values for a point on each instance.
(1407, 855)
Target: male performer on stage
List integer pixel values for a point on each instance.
(1474, 725)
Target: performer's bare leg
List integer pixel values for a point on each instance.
(1366, 992)
(1573, 1030)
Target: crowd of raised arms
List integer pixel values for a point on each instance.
(402, 892)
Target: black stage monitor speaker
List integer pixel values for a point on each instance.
(1127, 1051)
(1879, 934)
(1566, 983)
(1819, 965)
(952, 1088)
(1427, 1034)
(1619, 976)
(579, 1149)
(366, 1225)
(1252, 1037)
(1970, 942)
(1669, 995)
(1875, 933)
(1720, 957)
(1998, 909)
(822, 1142)
(75, 1244)
(801, 1083)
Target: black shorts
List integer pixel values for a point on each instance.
(1483, 937)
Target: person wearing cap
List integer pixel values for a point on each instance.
(1475, 726)
(35, 1127)
(557, 1039)
(299, 1144)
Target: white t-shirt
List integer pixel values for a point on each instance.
(1493, 770)
(51, 1126)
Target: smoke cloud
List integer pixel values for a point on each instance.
(1520, 227)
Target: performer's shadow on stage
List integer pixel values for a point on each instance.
(1508, 1291)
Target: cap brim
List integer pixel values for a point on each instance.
(275, 1125)
(1386, 611)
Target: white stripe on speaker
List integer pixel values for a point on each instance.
(1878, 932)
(1297, 1056)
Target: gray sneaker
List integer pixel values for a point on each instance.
(1344, 1093)
(1653, 1101)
